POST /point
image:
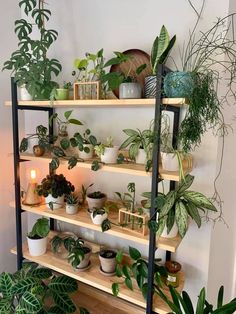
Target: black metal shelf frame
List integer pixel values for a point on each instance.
(162, 70)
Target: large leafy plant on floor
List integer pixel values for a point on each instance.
(182, 304)
(36, 290)
(178, 206)
(29, 63)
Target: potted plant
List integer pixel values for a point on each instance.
(98, 215)
(107, 152)
(41, 141)
(36, 289)
(108, 261)
(60, 243)
(29, 64)
(198, 79)
(72, 204)
(140, 144)
(177, 207)
(79, 254)
(37, 238)
(85, 143)
(96, 199)
(54, 187)
(161, 48)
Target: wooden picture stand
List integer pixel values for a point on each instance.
(139, 221)
(87, 90)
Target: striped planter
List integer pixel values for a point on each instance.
(150, 87)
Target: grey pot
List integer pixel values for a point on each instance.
(95, 202)
(130, 91)
(108, 261)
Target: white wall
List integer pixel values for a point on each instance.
(8, 14)
(87, 25)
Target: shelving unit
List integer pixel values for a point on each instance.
(92, 277)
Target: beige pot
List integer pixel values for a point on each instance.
(95, 202)
(72, 209)
(85, 262)
(108, 261)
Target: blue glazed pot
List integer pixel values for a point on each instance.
(178, 84)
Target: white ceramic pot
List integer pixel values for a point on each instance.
(96, 202)
(98, 219)
(31, 143)
(37, 247)
(24, 94)
(85, 155)
(58, 202)
(141, 158)
(130, 91)
(172, 234)
(110, 155)
(108, 261)
(72, 209)
(170, 162)
(85, 262)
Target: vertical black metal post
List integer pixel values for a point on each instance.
(50, 132)
(155, 174)
(15, 130)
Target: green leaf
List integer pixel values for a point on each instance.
(133, 150)
(199, 200)
(75, 121)
(65, 143)
(5, 306)
(115, 289)
(145, 290)
(126, 271)
(170, 220)
(72, 162)
(220, 297)
(67, 114)
(185, 184)
(54, 164)
(165, 54)
(140, 69)
(169, 203)
(41, 273)
(57, 151)
(95, 165)
(82, 310)
(181, 216)
(24, 285)
(128, 141)
(134, 253)
(30, 302)
(118, 271)
(29, 5)
(201, 302)
(64, 302)
(106, 225)
(229, 308)
(131, 132)
(24, 145)
(128, 283)
(119, 256)
(193, 212)
(159, 47)
(153, 225)
(63, 284)
(6, 284)
(55, 310)
(92, 140)
(188, 302)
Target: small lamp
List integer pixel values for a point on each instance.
(31, 197)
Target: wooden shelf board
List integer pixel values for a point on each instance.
(144, 102)
(94, 278)
(125, 168)
(82, 219)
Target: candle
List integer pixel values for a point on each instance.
(33, 176)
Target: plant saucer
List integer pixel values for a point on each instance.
(83, 269)
(105, 273)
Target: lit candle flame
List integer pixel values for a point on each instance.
(33, 176)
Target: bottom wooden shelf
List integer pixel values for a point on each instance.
(94, 278)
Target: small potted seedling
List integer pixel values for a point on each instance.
(108, 262)
(96, 199)
(99, 215)
(37, 238)
(54, 187)
(79, 254)
(107, 152)
(85, 143)
(72, 204)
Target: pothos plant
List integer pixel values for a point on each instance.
(30, 289)
(29, 63)
(136, 271)
(82, 140)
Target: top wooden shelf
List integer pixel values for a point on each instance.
(144, 102)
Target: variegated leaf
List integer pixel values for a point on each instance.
(169, 202)
(181, 217)
(199, 200)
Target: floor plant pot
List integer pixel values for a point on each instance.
(99, 218)
(172, 234)
(57, 202)
(108, 261)
(36, 246)
(110, 155)
(72, 209)
(170, 161)
(141, 157)
(86, 260)
(178, 84)
(150, 86)
(84, 155)
(24, 94)
(62, 94)
(96, 202)
(130, 91)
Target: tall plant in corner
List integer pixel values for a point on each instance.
(29, 63)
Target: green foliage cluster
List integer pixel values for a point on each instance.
(30, 289)
(40, 229)
(30, 64)
(56, 185)
(72, 199)
(81, 140)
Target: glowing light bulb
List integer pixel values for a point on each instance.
(33, 175)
